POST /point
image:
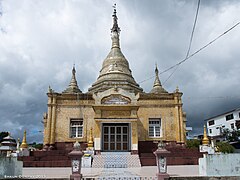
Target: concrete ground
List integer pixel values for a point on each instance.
(146, 171)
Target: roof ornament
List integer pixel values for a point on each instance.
(73, 70)
(90, 142)
(157, 86)
(157, 81)
(115, 31)
(177, 90)
(24, 141)
(50, 89)
(205, 140)
(115, 27)
(73, 86)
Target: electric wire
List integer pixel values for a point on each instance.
(196, 52)
(194, 25)
(190, 42)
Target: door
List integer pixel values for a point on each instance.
(115, 137)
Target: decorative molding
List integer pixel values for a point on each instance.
(115, 99)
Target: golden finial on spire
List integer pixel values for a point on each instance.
(90, 142)
(205, 140)
(24, 141)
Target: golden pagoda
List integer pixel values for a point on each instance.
(205, 140)
(24, 142)
(90, 142)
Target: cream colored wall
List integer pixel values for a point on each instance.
(170, 112)
(172, 121)
(65, 114)
(167, 116)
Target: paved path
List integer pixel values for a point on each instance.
(146, 171)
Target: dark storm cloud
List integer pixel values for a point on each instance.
(44, 39)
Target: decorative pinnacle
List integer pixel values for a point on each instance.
(205, 140)
(157, 86)
(76, 146)
(156, 69)
(24, 141)
(73, 82)
(177, 89)
(90, 142)
(157, 80)
(49, 89)
(161, 145)
(73, 70)
(115, 27)
(73, 86)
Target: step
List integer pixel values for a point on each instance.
(116, 160)
(47, 163)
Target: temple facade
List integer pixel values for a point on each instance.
(116, 114)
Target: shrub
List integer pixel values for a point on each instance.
(225, 147)
(193, 143)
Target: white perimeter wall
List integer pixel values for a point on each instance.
(220, 165)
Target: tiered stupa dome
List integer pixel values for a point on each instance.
(115, 70)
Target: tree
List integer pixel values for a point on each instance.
(231, 136)
(193, 143)
(37, 146)
(225, 147)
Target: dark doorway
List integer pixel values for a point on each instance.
(115, 137)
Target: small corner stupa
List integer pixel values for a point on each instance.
(24, 146)
(157, 86)
(8, 145)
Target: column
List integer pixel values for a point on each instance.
(134, 138)
(49, 121)
(53, 124)
(181, 121)
(97, 137)
(177, 117)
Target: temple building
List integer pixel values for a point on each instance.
(116, 114)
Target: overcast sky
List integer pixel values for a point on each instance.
(41, 40)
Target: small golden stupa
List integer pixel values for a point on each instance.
(205, 140)
(24, 141)
(90, 142)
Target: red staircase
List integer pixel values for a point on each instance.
(54, 158)
(180, 155)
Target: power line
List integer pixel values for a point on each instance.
(194, 25)
(196, 52)
(190, 43)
